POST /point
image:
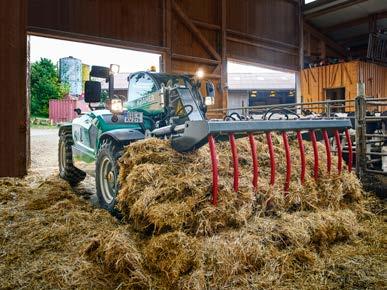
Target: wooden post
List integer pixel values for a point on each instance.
(224, 86)
(301, 54)
(167, 30)
(13, 73)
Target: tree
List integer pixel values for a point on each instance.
(45, 86)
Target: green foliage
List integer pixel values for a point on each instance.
(45, 86)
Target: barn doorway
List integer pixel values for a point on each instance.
(57, 71)
(253, 85)
(336, 94)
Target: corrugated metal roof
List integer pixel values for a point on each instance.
(349, 13)
(263, 81)
(360, 10)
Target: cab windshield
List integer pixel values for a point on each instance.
(173, 80)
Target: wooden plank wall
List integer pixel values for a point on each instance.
(375, 79)
(190, 34)
(314, 81)
(13, 101)
(264, 32)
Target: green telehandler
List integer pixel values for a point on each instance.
(161, 105)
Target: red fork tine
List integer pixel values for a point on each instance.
(255, 160)
(328, 150)
(302, 155)
(234, 152)
(215, 177)
(339, 152)
(288, 161)
(272, 160)
(315, 153)
(350, 155)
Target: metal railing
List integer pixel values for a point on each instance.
(326, 107)
(364, 154)
(365, 159)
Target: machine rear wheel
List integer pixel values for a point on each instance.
(106, 176)
(67, 170)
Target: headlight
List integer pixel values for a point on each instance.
(114, 68)
(116, 106)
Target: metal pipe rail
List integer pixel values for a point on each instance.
(265, 107)
(362, 138)
(370, 101)
(380, 118)
(376, 135)
(376, 172)
(376, 153)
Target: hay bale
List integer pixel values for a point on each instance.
(166, 190)
(172, 255)
(322, 235)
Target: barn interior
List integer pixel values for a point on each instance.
(292, 211)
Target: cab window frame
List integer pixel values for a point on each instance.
(155, 87)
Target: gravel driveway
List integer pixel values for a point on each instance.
(44, 160)
(44, 151)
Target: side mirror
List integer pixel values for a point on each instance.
(210, 98)
(100, 72)
(92, 92)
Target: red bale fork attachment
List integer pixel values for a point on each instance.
(195, 134)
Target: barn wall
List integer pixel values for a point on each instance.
(264, 31)
(13, 100)
(190, 34)
(314, 81)
(254, 32)
(375, 79)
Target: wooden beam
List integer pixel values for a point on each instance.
(52, 33)
(195, 31)
(354, 22)
(224, 75)
(238, 40)
(261, 39)
(332, 44)
(332, 8)
(195, 59)
(167, 60)
(206, 25)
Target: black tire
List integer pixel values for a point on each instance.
(106, 175)
(67, 170)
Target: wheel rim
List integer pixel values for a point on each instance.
(62, 157)
(107, 180)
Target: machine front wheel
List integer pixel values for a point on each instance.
(107, 171)
(67, 170)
